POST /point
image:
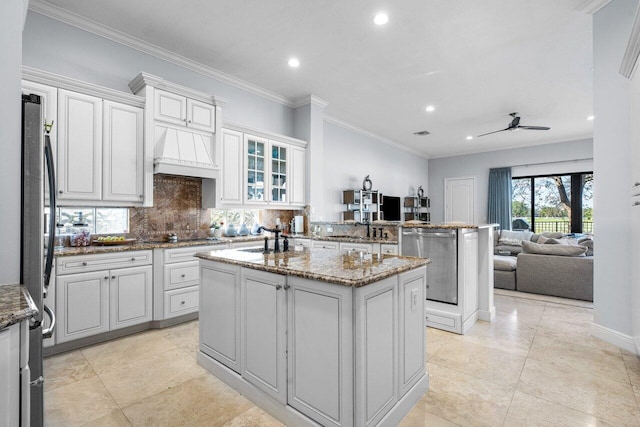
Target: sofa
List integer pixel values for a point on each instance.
(547, 264)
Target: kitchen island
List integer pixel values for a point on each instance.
(318, 336)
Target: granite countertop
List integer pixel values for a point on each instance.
(326, 265)
(16, 305)
(411, 224)
(354, 239)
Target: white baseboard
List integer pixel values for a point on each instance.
(624, 341)
(487, 315)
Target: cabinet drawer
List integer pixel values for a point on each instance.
(324, 245)
(364, 247)
(87, 263)
(389, 249)
(180, 301)
(180, 275)
(187, 254)
(443, 322)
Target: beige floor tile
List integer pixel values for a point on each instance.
(528, 410)
(77, 403)
(436, 339)
(142, 378)
(464, 399)
(253, 417)
(419, 418)
(114, 419)
(201, 401)
(481, 361)
(517, 318)
(580, 358)
(115, 353)
(632, 364)
(606, 399)
(575, 333)
(494, 335)
(184, 335)
(66, 368)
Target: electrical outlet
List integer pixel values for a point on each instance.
(329, 229)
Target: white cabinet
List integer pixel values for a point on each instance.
(100, 151)
(99, 293)
(364, 247)
(297, 176)
(263, 332)
(10, 375)
(324, 245)
(79, 173)
(220, 313)
(177, 109)
(320, 351)
(411, 336)
(122, 153)
(297, 241)
(231, 187)
(389, 249)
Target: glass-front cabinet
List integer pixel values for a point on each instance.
(266, 172)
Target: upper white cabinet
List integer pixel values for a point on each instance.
(231, 180)
(180, 110)
(79, 174)
(297, 176)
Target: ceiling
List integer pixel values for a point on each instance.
(474, 61)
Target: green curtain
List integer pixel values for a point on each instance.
(500, 195)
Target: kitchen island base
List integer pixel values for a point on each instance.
(309, 351)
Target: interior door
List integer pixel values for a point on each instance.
(459, 200)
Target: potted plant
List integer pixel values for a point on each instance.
(216, 229)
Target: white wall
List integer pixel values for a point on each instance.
(612, 168)
(478, 165)
(63, 49)
(11, 13)
(350, 156)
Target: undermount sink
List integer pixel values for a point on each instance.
(254, 250)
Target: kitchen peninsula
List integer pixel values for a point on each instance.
(316, 336)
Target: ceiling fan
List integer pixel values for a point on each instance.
(515, 125)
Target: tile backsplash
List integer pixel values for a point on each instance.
(177, 209)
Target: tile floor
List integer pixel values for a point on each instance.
(536, 365)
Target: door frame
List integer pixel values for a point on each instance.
(473, 196)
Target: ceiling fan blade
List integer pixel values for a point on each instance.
(501, 130)
(534, 127)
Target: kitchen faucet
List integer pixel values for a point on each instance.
(368, 224)
(277, 231)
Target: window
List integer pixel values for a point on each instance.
(99, 220)
(558, 203)
(237, 217)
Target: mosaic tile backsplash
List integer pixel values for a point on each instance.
(177, 209)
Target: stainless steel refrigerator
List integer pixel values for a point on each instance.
(36, 261)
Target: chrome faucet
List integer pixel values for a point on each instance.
(368, 224)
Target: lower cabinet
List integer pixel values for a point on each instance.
(15, 375)
(99, 301)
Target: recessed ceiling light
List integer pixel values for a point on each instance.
(590, 118)
(294, 63)
(430, 108)
(381, 18)
(469, 138)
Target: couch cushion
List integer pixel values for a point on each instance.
(514, 238)
(507, 250)
(504, 263)
(553, 249)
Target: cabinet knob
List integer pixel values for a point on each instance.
(286, 287)
(636, 203)
(189, 121)
(278, 287)
(141, 196)
(183, 302)
(84, 263)
(60, 191)
(636, 184)
(106, 277)
(184, 275)
(133, 259)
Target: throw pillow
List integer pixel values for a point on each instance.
(553, 249)
(587, 243)
(514, 238)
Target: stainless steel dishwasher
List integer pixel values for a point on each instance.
(440, 245)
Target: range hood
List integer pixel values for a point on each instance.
(181, 152)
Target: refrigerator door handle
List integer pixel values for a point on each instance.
(47, 333)
(48, 155)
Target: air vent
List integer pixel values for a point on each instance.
(422, 133)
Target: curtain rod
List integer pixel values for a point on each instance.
(552, 163)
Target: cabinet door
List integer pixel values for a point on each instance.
(79, 172)
(297, 176)
(324, 245)
(364, 247)
(263, 332)
(256, 184)
(10, 375)
(82, 303)
(170, 107)
(411, 299)
(123, 153)
(201, 116)
(130, 292)
(231, 186)
(220, 313)
(279, 172)
(320, 351)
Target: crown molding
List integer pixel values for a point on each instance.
(592, 6)
(310, 99)
(45, 77)
(54, 12)
(353, 128)
(263, 133)
(145, 79)
(630, 58)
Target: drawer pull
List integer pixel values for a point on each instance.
(636, 184)
(286, 287)
(278, 287)
(106, 277)
(84, 263)
(183, 275)
(636, 203)
(133, 259)
(113, 277)
(183, 303)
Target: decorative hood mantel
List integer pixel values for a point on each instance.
(180, 152)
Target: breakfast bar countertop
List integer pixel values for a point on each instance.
(16, 305)
(346, 268)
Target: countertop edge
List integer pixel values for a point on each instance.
(16, 305)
